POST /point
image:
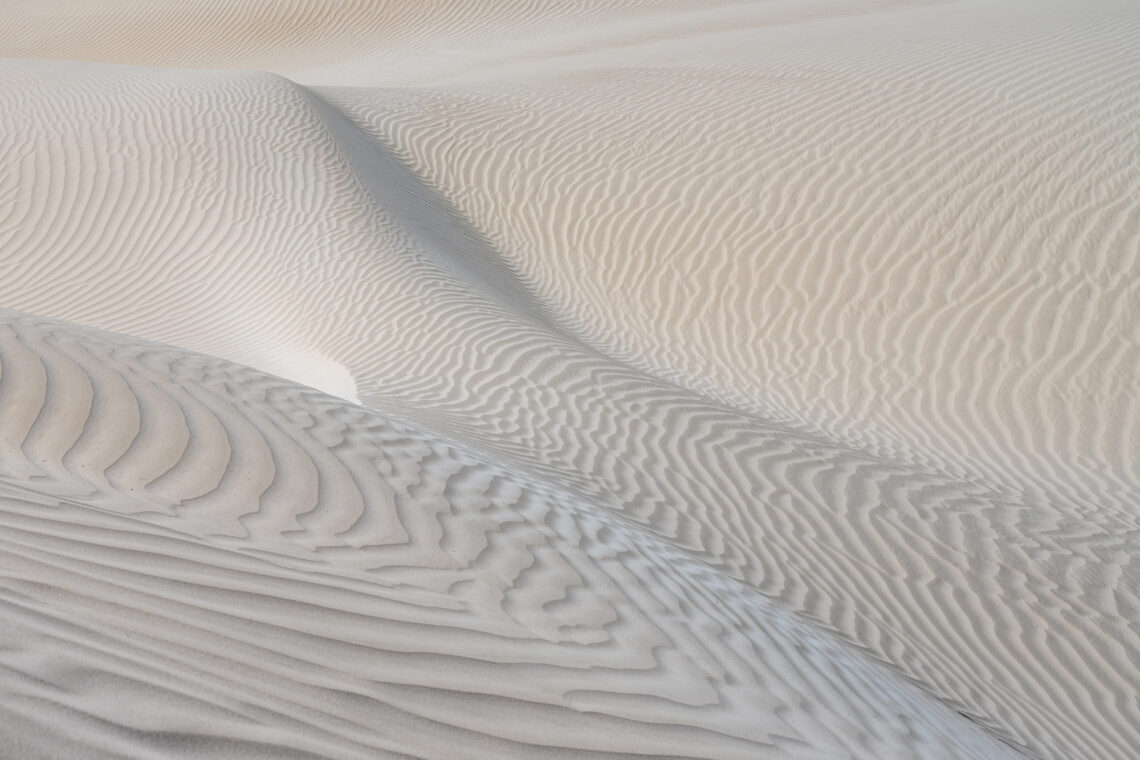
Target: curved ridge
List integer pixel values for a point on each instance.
(332, 533)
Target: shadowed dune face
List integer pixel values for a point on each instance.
(708, 380)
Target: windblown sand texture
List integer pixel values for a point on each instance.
(699, 379)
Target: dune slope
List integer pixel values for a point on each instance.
(261, 569)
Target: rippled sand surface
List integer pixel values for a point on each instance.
(673, 378)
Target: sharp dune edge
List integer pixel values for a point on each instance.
(669, 379)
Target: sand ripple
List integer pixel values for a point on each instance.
(714, 380)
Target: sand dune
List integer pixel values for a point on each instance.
(707, 380)
(273, 569)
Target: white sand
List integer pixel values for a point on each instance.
(709, 379)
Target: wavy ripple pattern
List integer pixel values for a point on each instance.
(927, 257)
(719, 391)
(283, 574)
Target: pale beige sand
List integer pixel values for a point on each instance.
(724, 379)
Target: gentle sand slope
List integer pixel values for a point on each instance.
(721, 380)
(257, 568)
